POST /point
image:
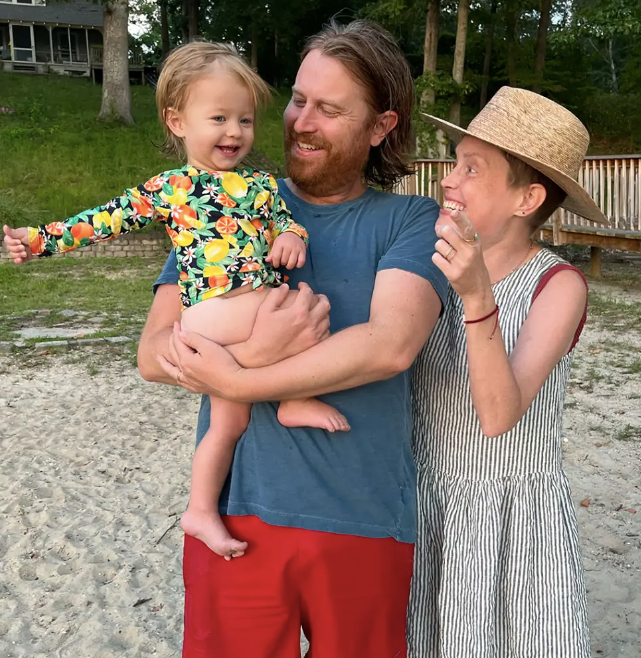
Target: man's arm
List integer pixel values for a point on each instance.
(279, 331)
(403, 312)
(154, 341)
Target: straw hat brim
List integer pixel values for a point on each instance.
(578, 201)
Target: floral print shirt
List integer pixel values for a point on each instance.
(221, 224)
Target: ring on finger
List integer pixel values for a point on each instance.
(472, 240)
(449, 252)
(179, 377)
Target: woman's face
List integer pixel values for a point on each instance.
(478, 186)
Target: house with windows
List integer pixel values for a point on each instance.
(50, 36)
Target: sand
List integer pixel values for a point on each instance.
(95, 473)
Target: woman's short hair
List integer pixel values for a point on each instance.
(521, 174)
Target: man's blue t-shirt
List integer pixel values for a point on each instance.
(360, 482)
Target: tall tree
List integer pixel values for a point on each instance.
(458, 69)
(253, 60)
(430, 49)
(539, 60)
(193, 8)
(116, 95)
(185, 21)
(164, 29)
(487, 59)
(511, 17)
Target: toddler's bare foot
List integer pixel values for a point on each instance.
(311, 413)
(210, 529)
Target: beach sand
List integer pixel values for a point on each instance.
(95, 473)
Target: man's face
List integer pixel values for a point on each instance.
(328, 127)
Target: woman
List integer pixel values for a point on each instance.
(497, 569)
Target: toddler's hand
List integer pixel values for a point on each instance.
(16, 242)
(288, 250)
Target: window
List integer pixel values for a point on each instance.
(25, 2)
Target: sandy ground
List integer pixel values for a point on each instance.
(95, 471)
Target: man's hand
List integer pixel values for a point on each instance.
(288, 250)
(283, 330)
(16, 242)
(200, 365)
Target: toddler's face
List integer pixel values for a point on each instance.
(217, 122)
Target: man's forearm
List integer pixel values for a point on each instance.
(403, 313)
(350, 358)
(148, 350)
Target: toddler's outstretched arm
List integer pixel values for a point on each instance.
(16, 242)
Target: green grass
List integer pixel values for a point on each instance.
(616, 315)
(57, 160)
(117, 289)
(628, 432)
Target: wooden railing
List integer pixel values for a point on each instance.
(97, 54)
(613, 181)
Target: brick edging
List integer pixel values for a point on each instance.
(144, 245)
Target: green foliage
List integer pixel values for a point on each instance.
(613, 118)
(83, 284)
(61, 160)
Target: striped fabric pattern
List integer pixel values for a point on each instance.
(498, 571)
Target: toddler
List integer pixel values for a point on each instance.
(230, 231)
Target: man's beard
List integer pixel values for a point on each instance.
(339, 167)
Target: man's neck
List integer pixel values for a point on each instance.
(340, 196)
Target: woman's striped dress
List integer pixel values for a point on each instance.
(498, 572)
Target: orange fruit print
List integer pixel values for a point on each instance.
(226, 226)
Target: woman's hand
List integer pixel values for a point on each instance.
(200, 365)
(460, 257)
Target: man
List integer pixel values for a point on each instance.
(330, 520)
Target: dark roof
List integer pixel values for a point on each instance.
(88, 14)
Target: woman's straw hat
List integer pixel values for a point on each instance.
(541, 133)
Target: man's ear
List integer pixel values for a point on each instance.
(174, 121)
(532, 199)
(385, 123)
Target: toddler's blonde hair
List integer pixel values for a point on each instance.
(184, 66)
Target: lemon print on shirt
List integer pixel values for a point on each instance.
(234, 184)
(216, 250)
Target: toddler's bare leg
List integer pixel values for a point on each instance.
(208, 473)
(229, 321)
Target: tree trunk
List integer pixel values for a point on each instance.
(184, 21)
(613, 68)
(254, 50)
(510, 28)
(430, 49)
(192, 10)
(276, 67)
(539, 60)
(116, 97)
(487, 61)
(459, 57)
(164, 29)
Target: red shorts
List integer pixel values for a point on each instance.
(349, 594)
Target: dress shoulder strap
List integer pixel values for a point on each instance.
(545, 279)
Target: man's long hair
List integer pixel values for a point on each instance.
(375, 60)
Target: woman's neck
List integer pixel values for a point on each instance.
(506, 252)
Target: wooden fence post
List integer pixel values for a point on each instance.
(595, 262)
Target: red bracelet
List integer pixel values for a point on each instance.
(485, 317)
